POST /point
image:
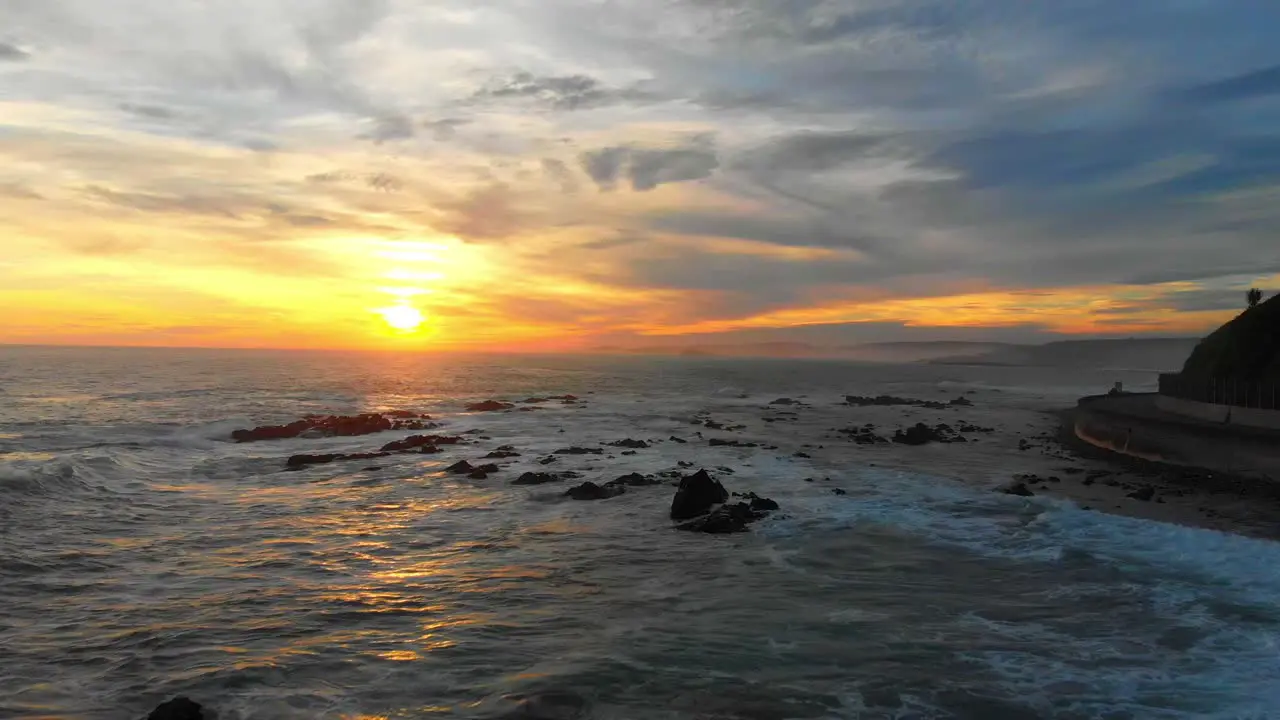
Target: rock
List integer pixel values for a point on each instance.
(636, 480)
(696, 496)
(763, 504)
(629, 443)
(1018, 488)
(718, 442)
(501, 454)
(1144, 494)
(591, 491)
(864, 435)
(785, 401)
(918, 434)
(838, 491)
(419, 441)
(478, 475)
(548, 705)
(548, 460)
(881, 400)
(462, 467)
(961, 401)
(579, 451)
(675, 439)
(533, 478)
(179, 708)
(627, 452)
(1023, 444)
(684, 463)
(372, 468)
(322, 426)
(723, 520)
(801, 455)
(489, 406)
(298, 462)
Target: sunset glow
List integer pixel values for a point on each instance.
(371, 179)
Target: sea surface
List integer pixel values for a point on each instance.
(144, 555)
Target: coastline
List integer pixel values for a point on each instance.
(1185, 495)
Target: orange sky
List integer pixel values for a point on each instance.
(384, 178)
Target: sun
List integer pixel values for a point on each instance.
(404, 318)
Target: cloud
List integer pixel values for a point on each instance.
(560, 174)
(649, 167)
(152, 112)
(12, 53)
(1258, 83)
(390, 128)
(559, 92)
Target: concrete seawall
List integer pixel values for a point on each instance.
(1134, 425)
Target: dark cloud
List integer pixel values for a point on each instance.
(647, 167)
(808, 230)
(390, 128)
(445, 128)
(12, 53)
(813, 151)
(560, 92)
(1259, 83)
(560, 174)
(152, 112)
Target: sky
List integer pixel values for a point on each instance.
(567, 174)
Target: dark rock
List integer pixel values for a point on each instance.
(961, 402)
(1144, 494)
(718, 442)
(297, 462)
(501, 455)
(419, 441)
(372, 468)
(591, 491)
(1018, 488)
(548, 460)
(532, 478)
(1023, 444)
(462, 467)
(579, 451)
(179, 708)
(489, 406)
(675, 439)
(763, 504)
(785, 401)
(696, 496)
(684, 463)
(801, 455)
(629, 443)
(723, 520)
(838, 491)
(918, 434)
(864, 435)
(319, 426)
(971, 428)
(881, 400)
(478, 475)
(636, 480)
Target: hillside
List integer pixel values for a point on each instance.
(1164, 354)
(1247, 347)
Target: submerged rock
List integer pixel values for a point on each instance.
(675, 439)
(719, 442)
(537, 478)
(489, 406)
(579, 451)
(179, 708)
(1018, 488)
(420, 441)
(698, 493)
(629, 443)
(785, 401)
(502, 454)
(591, 491)
(298, 462)
(961, 401)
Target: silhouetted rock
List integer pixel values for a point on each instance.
(696, 496)
(420, 441)
(502, 454)
(536, 478)
(918, 434)
(629, 443)
(489, 406)
(548, 460)
(478, 474)
(579, 451)
(864, 435)
(675, 439)
(322, 426)
(591, 491)
(636, 480)
(462, 467)
(882, 400)
(800, 455)
(838, 491)
(297, 462)
(961, 401)
(179, 708)
(718, 442)
(1143, 493)
(785, 401)
(1018, 488)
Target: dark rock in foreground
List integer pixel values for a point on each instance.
(489, 406)
(698, 493)
(579, 451)
(591, 491)
(1018, 488)
(322, 426)
(179, 708)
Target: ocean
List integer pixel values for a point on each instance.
(145, 555)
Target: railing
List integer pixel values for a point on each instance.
(1222, 391)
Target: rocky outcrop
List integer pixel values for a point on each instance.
(719, 442)
(921, 434)
(579, 451)
(489, 406)
(636, 480)
(462, 467)
(298, 462)
(629, 443)
(882, 400)
(731, 518)
(502, 453)
(420, 442)
(785, 401)
(179, 708)
(864, 435)
(697, 494)
(542, 478)
(322, 426)
(1018, 488)
(591, 491)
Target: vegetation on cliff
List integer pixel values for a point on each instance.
(1246, 348)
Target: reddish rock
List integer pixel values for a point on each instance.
(319, 426)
